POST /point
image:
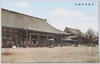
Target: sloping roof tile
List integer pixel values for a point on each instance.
(74, 31)
(22, 21)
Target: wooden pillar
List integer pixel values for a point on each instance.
(5, 37)
(61, 39)
(47, 41)
(10, 37)
(26, 38)
(58, 40)
(38, 39)
(29, 40)
(54, 39)
(20, 40)
(15, 38)
(23, 39)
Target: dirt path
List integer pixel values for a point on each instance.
(66, 54)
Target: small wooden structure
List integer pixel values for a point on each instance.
(24, 30)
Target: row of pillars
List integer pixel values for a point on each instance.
(26, 44)
(38, 38)
(11, 35)
(30, 38)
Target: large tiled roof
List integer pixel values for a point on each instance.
(18, 20)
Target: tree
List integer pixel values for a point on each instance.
(90, 36)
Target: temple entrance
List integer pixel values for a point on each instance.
(40, 40)
(34, 40)
(43, 41)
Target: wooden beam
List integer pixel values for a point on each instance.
(4, 29)
(10, 30)
(42, 34)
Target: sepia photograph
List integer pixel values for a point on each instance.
(49, 32)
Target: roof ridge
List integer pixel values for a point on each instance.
(71, 28)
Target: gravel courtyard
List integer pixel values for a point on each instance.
(68, 54)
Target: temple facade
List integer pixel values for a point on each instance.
(23, 30)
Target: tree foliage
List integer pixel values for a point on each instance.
(90, 36)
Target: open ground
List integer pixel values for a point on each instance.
(68, 54)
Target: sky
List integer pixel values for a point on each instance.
(59, 14)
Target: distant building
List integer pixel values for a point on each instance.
(76, 35)
(96, 38)
(23, 30)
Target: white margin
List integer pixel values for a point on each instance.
(0, 32)
(53, 0)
